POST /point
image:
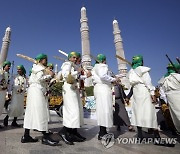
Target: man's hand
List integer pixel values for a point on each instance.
(127, 101)
(80, 69)
(51, 73)
(89, 74)
(154, 100)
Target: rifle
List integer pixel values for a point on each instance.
(59, 58)
(172, 63)
(64, 53)
(121, 58)
(27, 58)
(178, 60)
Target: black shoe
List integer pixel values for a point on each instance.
(49, 141)
(35, 130)
(5, 121)
(79, 136)
(174, 133)
(28, 139)
(118, 128)
(75, 138)
(178, 133)
(66, 138)
(1, 127)
(100, 137)
(140, 138)
(49, 132)
(14, 124)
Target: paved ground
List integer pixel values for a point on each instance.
(10, 141)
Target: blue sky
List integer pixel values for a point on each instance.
(148, 27)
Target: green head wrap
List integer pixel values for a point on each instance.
(177, 66)
(137, 61)
(6, 63)
(78, 54)
(40, 57)
(171, 69)
(50, 65)
(72, 53)
(101, 58)
(22, 68)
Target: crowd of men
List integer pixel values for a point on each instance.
(12, 91)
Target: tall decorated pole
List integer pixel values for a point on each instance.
(85, 44)
(122, 65)
(86, 59)
(5, 45)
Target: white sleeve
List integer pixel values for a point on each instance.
(15, 84)
(66, 69)
(41, 77)
(74, 73)
(162, 94)
(103, 74)
(83, 77)
(147, 81)
(58, 76)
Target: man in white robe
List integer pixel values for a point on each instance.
(37, 108)
(170, 84)
(143, 107)
(4, 84)
(103, 95)
(16, 106)
(72, 105)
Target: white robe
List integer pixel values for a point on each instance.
(143, 110)
(37, 107)
(72, 105)
(16, 107)
(171, 87)
(3, 76)
(103, 95)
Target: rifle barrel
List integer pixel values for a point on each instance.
(172, 63)
(178, 60)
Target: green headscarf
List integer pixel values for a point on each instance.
(101, 58)
(78, 54)
(50, 65)
(137, 61)
(6, 63)
(22, 68)
(40, 57)
(72, 53)
(171, 69)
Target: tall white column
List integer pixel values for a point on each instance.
(86, 59)
(5, 45)
(118, 42)
(122, 68)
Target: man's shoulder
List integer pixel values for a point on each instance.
(37, 68)
(101, 66)
(66, 64)
(142, 70)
